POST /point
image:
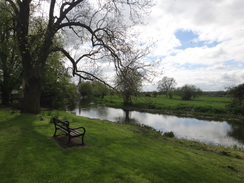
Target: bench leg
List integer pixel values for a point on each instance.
(69, 140)
(82, 140)
(55, 133)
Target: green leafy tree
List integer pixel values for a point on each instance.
(237, 104)
(98, 24)
(85, 89)
(188, 92)
(58, 91)
(99, 89)
(10, 64)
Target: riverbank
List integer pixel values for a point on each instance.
(204, 107)
(113, 153)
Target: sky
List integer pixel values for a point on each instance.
(198, 42)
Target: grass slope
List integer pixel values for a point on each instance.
(113, 153)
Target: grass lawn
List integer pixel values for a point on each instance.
(113, 153)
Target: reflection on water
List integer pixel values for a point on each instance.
(211, 132)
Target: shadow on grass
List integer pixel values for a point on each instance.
(28, 149)
(26, 146)
(62, 140)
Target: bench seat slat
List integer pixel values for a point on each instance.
(64, 130)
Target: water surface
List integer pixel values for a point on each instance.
(211, 132)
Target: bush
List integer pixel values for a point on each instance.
(237, 104)
(169, 134)
(189, 92)
(236, 109)
(209, 109)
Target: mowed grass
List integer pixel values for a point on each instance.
(113, 153)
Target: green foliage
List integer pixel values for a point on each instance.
(237, 104)
(169, 134)
(10, 64)
(85, 88)
(155, 94)
(57, 92)
(66, 94)
(92, 89)
(238, 94)
(189, 92)
(170, 94)
(99, 89)
(113, 153)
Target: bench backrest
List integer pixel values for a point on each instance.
(61, 124)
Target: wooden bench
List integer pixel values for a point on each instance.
(71, 132)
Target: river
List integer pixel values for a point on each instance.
(224, 133)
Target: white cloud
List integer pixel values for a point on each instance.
(219, 21)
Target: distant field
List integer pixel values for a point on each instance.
(162, 100)
(218, 102)
(205, 104)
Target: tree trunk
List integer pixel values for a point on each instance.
(127, 115)
(32, 94)
(127, 100)
(33, 59)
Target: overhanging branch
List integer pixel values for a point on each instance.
(83, 74)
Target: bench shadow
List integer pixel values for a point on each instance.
(62, 141)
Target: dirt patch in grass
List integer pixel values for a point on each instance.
(62, 140)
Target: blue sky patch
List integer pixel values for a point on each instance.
(189, 39)
(233, 64)
(189, 66)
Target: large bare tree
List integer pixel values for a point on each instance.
(99, 25)
(166, 84)
(135, 70)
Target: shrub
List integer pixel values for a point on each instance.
(237, 104)
(169, 134)
(189, 92)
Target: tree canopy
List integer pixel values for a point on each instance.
(99, 27)
(10, 63)
(57, 91)
(166, 84)
(128, 82)
(85, 89)
(237, 104)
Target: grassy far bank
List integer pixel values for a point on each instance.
(204, 105)
(113, 153)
